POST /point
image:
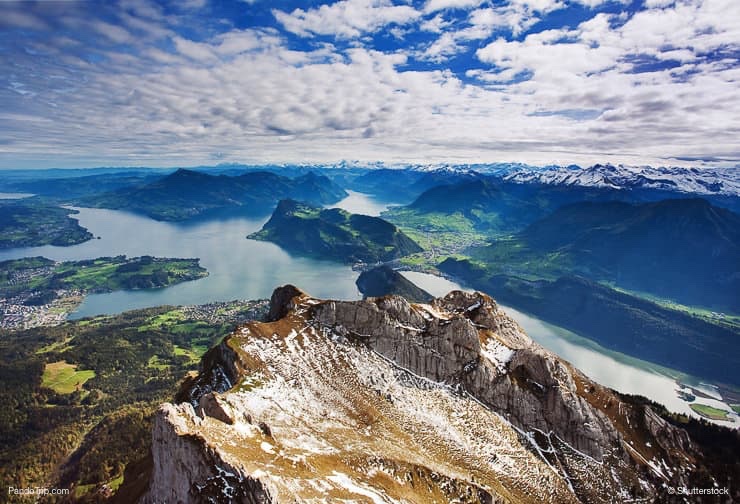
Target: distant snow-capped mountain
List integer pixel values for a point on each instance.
(699, 181)
(717, 181)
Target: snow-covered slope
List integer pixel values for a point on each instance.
(384, 401)
(717, 181)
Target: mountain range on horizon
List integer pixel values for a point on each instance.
(186, 194)
(695, 180)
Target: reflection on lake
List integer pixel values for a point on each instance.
(612, 369)
(14, 195)
(360, 203)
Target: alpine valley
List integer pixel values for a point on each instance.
(371, 333)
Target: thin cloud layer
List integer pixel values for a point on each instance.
(537, 81)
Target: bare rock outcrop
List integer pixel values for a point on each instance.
(535, 391)
(382, 399)
(187, 470)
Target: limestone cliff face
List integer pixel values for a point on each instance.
(386, 401)
(187, 470)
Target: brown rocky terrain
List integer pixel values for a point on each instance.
(385, 401)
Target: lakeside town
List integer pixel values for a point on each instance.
(15, 313)
(40, 292)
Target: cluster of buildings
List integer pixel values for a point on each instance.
(226, 312)
(15, 314)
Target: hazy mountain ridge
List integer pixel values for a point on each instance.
(403, 181)
(406, 184)
(552, 186)
(452, 399)
(66, 188)
(495, 204)
(187, 194)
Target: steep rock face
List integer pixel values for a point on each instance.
(188, 471)
(386, 401)
(538, 392)
(436, 348)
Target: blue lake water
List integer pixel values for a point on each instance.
(362, 204)
(247, 269)
(238, 268)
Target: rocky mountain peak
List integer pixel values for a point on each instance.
(281, 301)
(384, 400)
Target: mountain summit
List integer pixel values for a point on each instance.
(386, 401)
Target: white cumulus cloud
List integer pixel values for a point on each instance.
(347, 18)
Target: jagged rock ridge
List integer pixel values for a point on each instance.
(386, 401)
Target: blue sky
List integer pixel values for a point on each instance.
(144, 83)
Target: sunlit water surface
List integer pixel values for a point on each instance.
(248, 269)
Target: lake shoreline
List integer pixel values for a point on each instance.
(249, 269)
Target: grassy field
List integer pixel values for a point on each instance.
(192, 355)
(709, 412)
(735, 407)
(57, 346)
(438, 233)
(64, 378)
(729, 319)
(108, 274)
(163, 321)
(155, 362)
